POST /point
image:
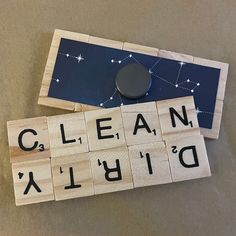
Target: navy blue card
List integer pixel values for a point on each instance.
(85, 73)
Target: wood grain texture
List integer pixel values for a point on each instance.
(169, 131)
(189, 170)
(112, 158)
(149, 164)
(140, 49)
(57, 103)
(112, 131)
(41, 172)
(34, 132)
(77, 166)
(105, 42)
(67, 134)
(79, 107)
(175, 56)
(134, 114)
(110, 165)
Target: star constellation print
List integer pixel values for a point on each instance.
(78, 58)
(85, 73)
(176, 84)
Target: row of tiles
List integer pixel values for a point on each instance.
(70, 134)
(110, 170)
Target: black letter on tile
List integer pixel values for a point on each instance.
(64, 141)
(32, 183)
(183, 119)
(143, 125)
(110, 170)
(20, 137)
(99, 128)
(72, 181)
(148, 162)
(193, 148)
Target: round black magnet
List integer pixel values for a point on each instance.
(133, 81)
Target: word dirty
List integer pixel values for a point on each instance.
(106, 150)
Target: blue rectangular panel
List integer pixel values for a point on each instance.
(85, 73)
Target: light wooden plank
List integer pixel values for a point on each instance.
(56, 103)
(140, 49)
(89, 108)
(175, 56)
(105, 42)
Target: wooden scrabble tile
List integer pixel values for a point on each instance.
(67, 134)
(140, 49)
(72, 176)
(188, 158)
(28, 139)
(111, 170)
(178, 118)
(141, 123)
(175, 56)
(224, 67)
(106, 42)
(149, 164)
(32, 182)
(104, 129)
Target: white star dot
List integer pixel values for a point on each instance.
(101, 104)
(79, 58)
(57, 80)
(122, 104)
(112, 61)
(67, 54)
(198, 84)
(176, 85)
(119, 62)
(192, 91)
(188, 80)
(198, 111)
(111, 98)
(130, 55)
